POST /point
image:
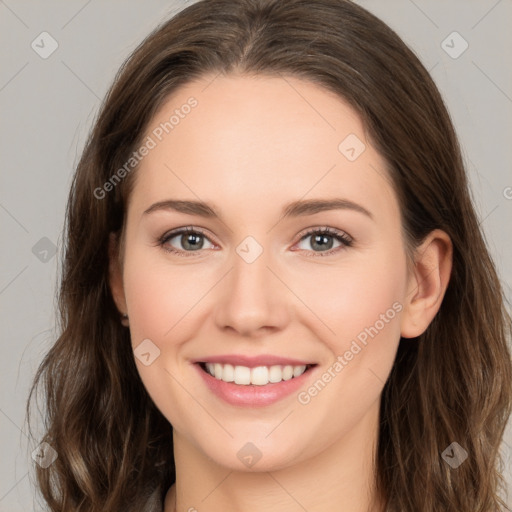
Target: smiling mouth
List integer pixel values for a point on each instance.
(256, 376)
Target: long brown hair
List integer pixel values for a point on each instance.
(451, 384)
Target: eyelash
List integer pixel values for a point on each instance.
(343, 238)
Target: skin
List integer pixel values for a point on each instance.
(251, 146)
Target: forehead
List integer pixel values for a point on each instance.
(235, 140)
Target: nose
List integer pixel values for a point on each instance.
(252, 301)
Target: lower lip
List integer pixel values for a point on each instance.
(251, 395)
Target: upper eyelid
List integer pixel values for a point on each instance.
(187, 229)
(327, 229)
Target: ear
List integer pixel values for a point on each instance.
(116, 273)
(427, 283)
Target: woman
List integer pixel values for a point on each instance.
(276, 294)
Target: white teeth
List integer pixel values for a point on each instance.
(242, 375)
(298, 370)
(258, 376)
(228, 373)
(287, 372)
(275, 374)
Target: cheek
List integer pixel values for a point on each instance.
(160, 296)
(362, 305)
(164, 301)
(160, 299)
(365, 292)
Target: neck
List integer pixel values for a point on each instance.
(341, 478)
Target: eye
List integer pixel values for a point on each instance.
(190, 239)
(323, 239)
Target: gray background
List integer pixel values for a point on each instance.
(47, 107)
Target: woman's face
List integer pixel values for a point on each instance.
(256, 281)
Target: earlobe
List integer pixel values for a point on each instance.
(116, 274)
(427, 283)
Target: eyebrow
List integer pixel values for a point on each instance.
(299, 208)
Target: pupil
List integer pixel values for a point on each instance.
(191, 241)
(323, 241)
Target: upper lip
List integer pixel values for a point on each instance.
(253, 361)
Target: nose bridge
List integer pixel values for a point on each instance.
(250, 279)
(251, 296)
